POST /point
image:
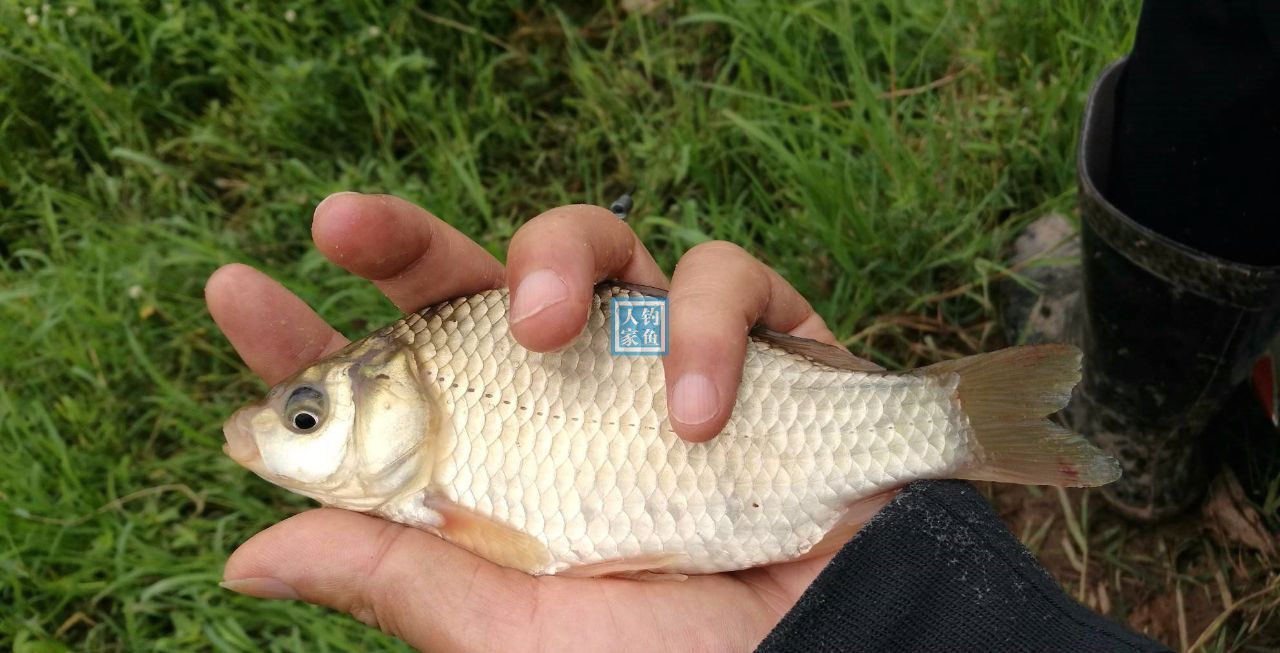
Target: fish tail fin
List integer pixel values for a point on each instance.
(1007, 396)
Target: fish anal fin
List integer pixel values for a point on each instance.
(649, 567)
(488, 538)
(857, 514)
(651, 575)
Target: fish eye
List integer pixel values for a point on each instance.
(304, 409)
(304, 421)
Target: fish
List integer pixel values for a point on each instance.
(565, 463)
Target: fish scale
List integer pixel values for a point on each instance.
(591, 468)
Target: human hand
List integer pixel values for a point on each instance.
(431, 594)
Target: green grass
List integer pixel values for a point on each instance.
(878, 154)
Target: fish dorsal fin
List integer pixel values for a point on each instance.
(489, 538)
(818, 352)
(633, 287)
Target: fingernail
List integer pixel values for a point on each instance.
(261, 587)
(538, 291)
(331, 196)
(694, 400)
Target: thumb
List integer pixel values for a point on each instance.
(410, 584)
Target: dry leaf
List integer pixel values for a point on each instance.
(1228, 513)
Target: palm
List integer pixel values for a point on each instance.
(438, 597)
(730, 611)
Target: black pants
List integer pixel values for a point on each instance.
(936, 570)
(1196, 157)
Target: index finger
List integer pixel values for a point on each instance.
(413, 257)
(273, 330)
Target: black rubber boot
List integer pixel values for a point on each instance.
(1168, 332)
(1251, 446)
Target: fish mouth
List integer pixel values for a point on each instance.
(240, 445)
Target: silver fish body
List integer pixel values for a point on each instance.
(565, 463)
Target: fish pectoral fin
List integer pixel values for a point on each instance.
(489, 538)
(649, 567)
(855, 516)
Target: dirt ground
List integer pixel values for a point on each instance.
(1209, 580)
